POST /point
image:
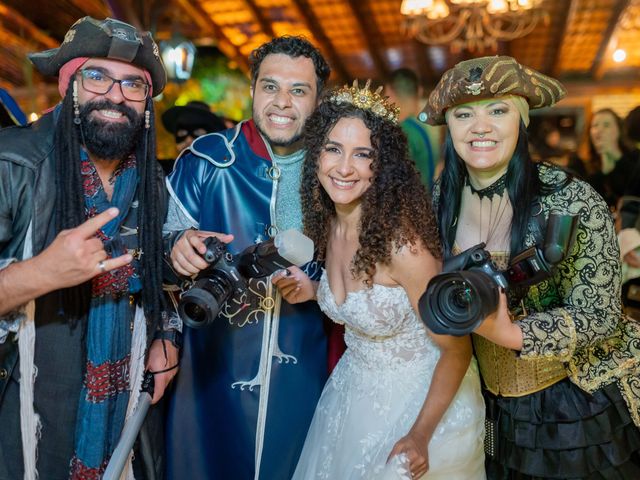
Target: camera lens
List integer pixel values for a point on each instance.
(455, 303)
(200, 305)
(462, 297)
(195, 312)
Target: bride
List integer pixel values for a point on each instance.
(402, 403)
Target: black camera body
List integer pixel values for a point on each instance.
(227, 275)
(478, 259)
(468, 289)
(200, 304)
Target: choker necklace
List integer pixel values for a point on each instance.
(496, 188)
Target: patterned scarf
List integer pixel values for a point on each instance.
(105, 392)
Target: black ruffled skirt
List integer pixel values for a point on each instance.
(562, 432)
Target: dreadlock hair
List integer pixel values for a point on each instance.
(523, 186)
(70, 209)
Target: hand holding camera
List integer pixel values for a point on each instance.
(226, 275)
(186, 255)
(460, 298)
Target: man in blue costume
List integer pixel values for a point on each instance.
(250, 381)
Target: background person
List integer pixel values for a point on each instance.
(611, 157)
(188, 122)
(628, 224)
(404, 89)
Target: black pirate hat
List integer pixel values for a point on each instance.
(106, 38)
(194, 114)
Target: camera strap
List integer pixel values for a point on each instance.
(537, 226)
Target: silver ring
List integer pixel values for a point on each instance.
(101, 266)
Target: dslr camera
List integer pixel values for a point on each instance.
(227, 275)
(459, 299)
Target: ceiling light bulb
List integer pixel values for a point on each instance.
(415, 7)
(439, 10)
(497, 6)
(619, 55)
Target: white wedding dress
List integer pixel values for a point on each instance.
(375, 394)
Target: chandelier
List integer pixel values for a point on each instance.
(474, 25)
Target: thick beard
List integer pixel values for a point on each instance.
(276, 142)
(109, 140)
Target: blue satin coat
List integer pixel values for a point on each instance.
(249, 383)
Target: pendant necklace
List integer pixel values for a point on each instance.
(496, 208)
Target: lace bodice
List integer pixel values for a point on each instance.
(376, 392)
(381, 326)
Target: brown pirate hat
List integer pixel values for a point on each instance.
(489, 77)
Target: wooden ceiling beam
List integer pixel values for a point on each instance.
(369, 31)
(93, 8)
(14, 58)
(599, 62)
(553, 61)
(208, 26)
(304, 11)
(265, 25)
(123, 10)
(31, 30)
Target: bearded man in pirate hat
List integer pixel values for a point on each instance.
(82, 202)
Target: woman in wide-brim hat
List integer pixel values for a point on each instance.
(559, 364)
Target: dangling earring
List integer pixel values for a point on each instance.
(147, 114)
(76, 105)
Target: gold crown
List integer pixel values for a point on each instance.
(365, 99)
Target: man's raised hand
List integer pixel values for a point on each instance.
(77, 255)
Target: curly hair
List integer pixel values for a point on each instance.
(396, 208)
(293, 46)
